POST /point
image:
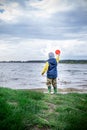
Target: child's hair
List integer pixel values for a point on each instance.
(51, 55)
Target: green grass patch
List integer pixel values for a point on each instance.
(30, 110)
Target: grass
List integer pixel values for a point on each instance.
(30, 110)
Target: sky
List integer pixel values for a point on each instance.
(30, 29)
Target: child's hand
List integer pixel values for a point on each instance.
(57, 54)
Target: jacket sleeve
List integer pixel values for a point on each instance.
(57, 58)
(45, 68)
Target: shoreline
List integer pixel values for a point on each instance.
(64, 90)
(59, 90)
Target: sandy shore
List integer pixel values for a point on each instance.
(64, 90)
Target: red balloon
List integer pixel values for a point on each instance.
(57, 51)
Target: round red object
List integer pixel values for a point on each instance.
(57, 51)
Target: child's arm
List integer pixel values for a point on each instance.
(57, 58)
(45, 68)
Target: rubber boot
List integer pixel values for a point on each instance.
(49, 89)
(55, 90)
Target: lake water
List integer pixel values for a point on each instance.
(28, 75)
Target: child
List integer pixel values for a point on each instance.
(51, 69)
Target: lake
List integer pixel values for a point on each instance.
(28, 76)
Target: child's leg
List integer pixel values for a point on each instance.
(55, 89)
(49, 81)
(54, 83)
(49, 89)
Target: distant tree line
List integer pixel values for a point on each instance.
(74, 61)
(43, 61)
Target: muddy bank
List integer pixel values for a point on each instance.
(64, 90)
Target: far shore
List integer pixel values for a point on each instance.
(67, 61)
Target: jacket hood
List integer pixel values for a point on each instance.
(51, 55)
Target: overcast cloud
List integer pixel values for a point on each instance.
(29, 29)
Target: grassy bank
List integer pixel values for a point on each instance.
(30, 110)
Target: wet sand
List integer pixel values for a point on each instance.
(64, 90)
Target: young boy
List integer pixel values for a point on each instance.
(51, 69)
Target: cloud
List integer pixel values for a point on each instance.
(46, 8)
(11, 13)
(44, 26)
(37, 49)
(16, 10)
(43, 19)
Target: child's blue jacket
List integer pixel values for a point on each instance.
(52, 69)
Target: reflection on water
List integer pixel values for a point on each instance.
(28, 75)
